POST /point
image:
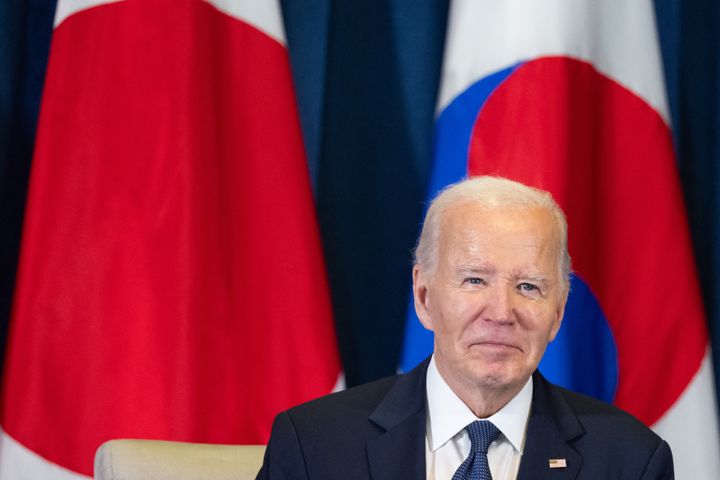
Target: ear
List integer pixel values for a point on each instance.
(559, 314)
(421, 296)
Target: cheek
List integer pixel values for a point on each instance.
(538, 321)
(452, 313)
(537, 314)
(462, 309)
(531, 307)
(459, 304)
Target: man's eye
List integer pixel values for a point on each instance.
(474, 281)
(528, 287)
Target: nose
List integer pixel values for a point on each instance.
(499, 308)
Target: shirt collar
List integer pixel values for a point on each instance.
(448, 415)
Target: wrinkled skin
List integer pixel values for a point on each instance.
(494, 300)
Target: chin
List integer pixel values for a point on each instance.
(497, 378)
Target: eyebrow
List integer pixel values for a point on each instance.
(533, 278)
(475, 268)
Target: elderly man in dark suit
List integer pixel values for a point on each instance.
(491, 279)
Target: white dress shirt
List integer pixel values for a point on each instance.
(447, 443)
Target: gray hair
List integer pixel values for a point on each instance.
(489, 192)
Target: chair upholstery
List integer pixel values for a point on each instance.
(159, 460)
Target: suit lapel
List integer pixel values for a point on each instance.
(399, 452)
(551, 427)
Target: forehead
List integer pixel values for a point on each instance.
(473, 229)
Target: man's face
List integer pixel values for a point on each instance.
(495, 299)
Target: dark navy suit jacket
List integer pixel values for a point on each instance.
(377, 431)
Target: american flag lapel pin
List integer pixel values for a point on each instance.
(557, 463)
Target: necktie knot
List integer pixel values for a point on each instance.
(482, 433)
(475, 467)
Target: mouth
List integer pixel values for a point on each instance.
(496, 346)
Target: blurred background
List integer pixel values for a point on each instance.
(366, 77)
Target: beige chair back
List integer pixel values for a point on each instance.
(158, 460)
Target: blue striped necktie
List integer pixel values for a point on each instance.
(475, 467)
